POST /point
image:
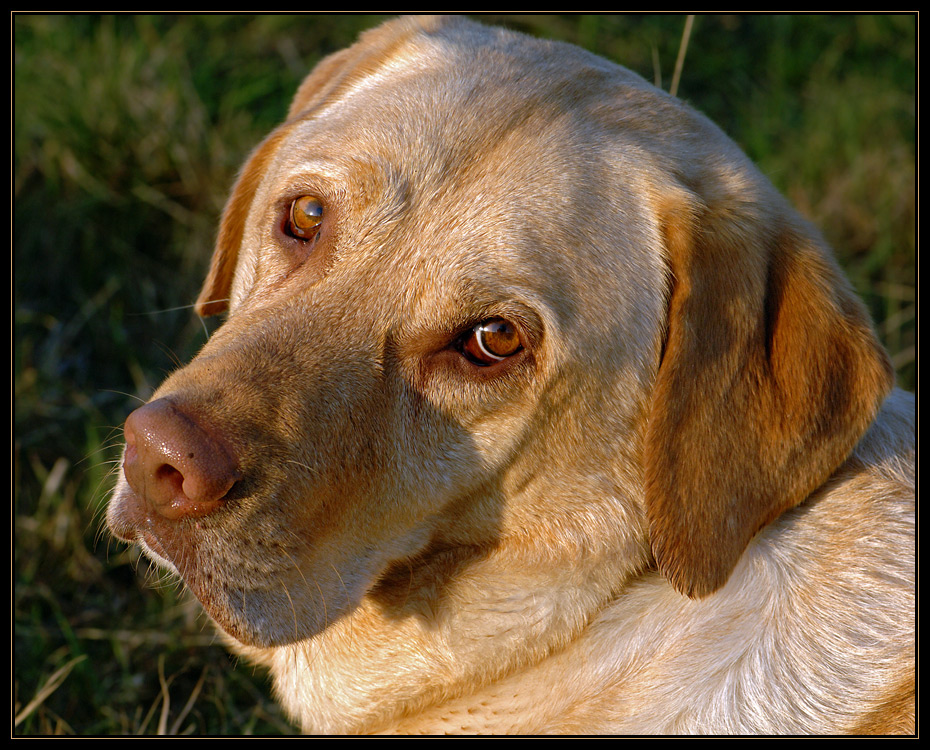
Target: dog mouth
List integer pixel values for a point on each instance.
(181, 548)
(153, 549)
(262, 594)
(274, 558)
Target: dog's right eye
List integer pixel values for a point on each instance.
(305, 217)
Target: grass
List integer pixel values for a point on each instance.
(127, 134)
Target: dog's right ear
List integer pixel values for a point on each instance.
(322, 78)
(338, 74)
(214, 296)
(328, 81)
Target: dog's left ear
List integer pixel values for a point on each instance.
(769, 376)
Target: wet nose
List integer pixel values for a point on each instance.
(172, 462)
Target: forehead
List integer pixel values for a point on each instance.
(433, 130)
(457, 159)
(448, 63)
(442, 93)
(409, 142)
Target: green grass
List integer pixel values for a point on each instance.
(128, 131)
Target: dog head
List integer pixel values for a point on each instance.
(486, 291)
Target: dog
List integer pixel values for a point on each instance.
(536, 410)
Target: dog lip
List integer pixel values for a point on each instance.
(172, 546)
(235, 628)
(131, 520)
(126, 518)
(154, 548)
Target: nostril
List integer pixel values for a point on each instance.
(170, 477)
(174, 464)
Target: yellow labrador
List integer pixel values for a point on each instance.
(537, 410)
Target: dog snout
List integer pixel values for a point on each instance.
(174, 464)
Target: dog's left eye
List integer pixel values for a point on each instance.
(491, 341)
(305, 218)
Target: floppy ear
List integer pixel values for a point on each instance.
(770, 374)
(214, 296)
(327, 81)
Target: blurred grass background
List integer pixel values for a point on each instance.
(127, 134)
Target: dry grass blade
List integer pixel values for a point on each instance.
(166, 697)
(682, 50)
(176, 727)
(50, 686)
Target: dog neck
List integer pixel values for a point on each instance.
(452, 646)
(411, 645)
(649, 661)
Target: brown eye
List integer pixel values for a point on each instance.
(305, 218)
(491, 341)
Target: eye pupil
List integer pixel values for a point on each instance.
(306, 217)
(491, 341)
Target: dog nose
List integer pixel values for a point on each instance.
(172, 462)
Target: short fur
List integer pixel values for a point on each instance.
(685, 505)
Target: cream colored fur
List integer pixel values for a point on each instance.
(685, 505)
